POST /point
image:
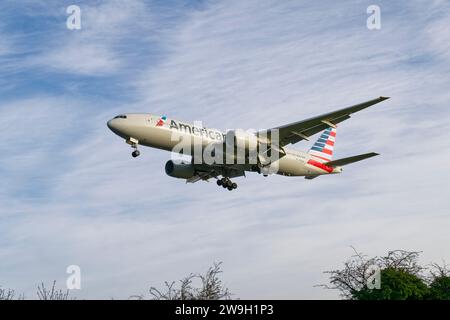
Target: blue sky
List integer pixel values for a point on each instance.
(71, 194)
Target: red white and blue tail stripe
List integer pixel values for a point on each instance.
(322, 149)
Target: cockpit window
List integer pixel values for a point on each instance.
(121, 116)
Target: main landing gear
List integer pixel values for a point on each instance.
(226, 183)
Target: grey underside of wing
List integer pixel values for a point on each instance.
(297, 131)
(202, 176)
(206, 172)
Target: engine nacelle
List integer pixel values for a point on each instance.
(180, 170)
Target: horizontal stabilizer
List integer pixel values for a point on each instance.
(345, 161)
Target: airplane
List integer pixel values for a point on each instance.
(158, 132)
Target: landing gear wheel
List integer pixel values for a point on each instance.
(222, 182)
(226, 183)
(135, 153)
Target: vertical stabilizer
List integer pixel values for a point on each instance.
(322, 149)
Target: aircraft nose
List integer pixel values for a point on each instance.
(118, 125)
(114, 125)
(110, 124)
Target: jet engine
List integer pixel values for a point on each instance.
(179, 170)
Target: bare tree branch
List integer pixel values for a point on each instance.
(7, 294)
(210, 288)
(44, 293)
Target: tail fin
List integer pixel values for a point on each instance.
(323, 147)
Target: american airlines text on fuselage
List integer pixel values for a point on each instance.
(187, 128)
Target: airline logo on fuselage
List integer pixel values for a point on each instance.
(161, 121)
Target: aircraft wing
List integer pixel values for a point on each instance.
(206, 172)
(301, 130)
(202, 176)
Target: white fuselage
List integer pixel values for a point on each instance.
(153, 131)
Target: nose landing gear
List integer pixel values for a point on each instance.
(135, 153)
(134, 144)
(226, 183)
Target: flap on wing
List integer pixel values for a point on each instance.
(345, 161)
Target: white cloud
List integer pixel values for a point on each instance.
(83, 59)
(101, 46)
(252, 64)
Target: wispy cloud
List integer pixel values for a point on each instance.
(71, 194)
